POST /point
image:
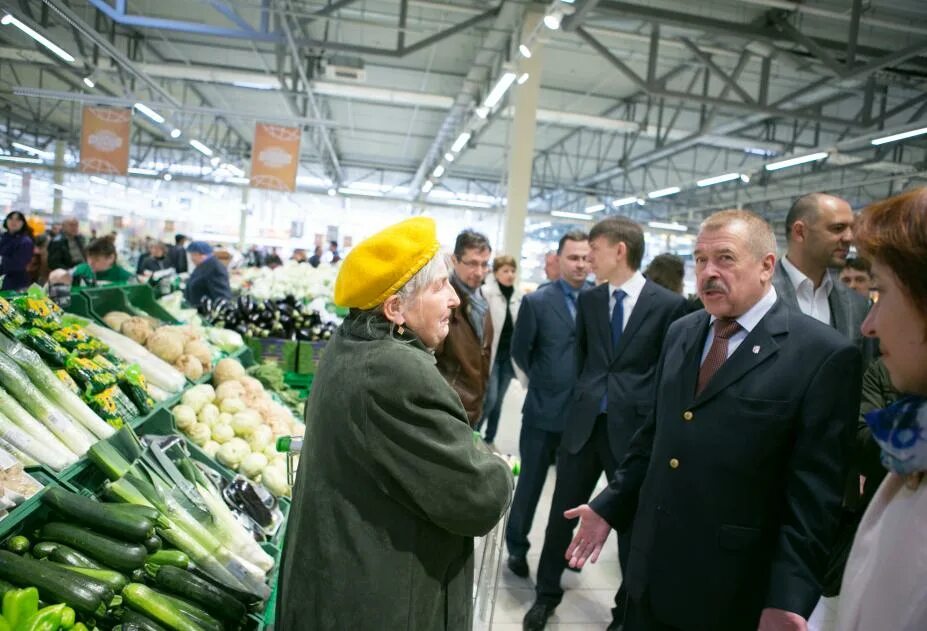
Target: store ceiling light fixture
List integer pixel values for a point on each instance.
(523, 78)
(498, 91)
(567, 215)
(595, 208)
(427, 186)
(791, 162)
(624, 201)
(663, 192)
(175, 133)
(461, 142)
(449, 156)
(360, 192)
(525, 51)
(661, 225)
(439, 171)
(142, 171)
(468, 203)
(901, 136)
(718, 179)
(21, 159)
(150, 113)
(9, 20)
(196, 144)
(48, 155)
(89, 83)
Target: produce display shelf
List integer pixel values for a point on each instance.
(17, 521)
(131, 299)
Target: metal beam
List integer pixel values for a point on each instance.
(853, 39)
(581, 10)
(711, 65)
(786, 28)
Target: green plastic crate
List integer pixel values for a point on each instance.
(18, 520)
(143, 298)
(106, 299)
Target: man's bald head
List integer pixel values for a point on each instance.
(807, 209)
(819, 230)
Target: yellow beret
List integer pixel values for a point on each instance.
(379, 266)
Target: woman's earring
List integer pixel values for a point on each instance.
(401, 329)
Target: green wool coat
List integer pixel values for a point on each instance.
(390, 491)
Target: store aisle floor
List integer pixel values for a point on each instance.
(589, 595)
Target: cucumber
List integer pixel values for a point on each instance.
(186, 585)
(153, 543)
(44, 548)
(156, 606)
(54, 585)
(114, 554)
(69, 556)
(133, 620)
(18, 544)
(136, 509)
(194, 613)
(248, 599)
(114, 579)
(99, 516)
(169, 557)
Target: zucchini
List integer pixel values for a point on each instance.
(169, 557)
(117, 555)
(153, 543)
(44, 548)
(186, 585)
(150, 512)
(69, 556)
(18, 544)
(112, 578)
(98, 515)
(54, 585)
(194, 613)
(156, 606)
(135, 620)
(249, 600)
(139, 575)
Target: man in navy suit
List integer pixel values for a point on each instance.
(735, 482)
(620, 326)
(543, 346)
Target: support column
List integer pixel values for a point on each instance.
(521, 143)
(243, 224)
(58, 178)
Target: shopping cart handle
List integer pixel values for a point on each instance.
(289, 444)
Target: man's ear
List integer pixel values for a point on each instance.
(799, 230)
(392, 311)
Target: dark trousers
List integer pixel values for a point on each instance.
(538, 450)
(499, 380)
(639, 617)
(577, 475)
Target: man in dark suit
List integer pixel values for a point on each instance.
(178, 254)
(620, 326)
(736, 479)
(819, 230)
(543, 345)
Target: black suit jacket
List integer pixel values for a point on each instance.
(543, 346)
(209, 278)
(739, 488)
(627, 371)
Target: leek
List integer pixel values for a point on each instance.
(23, 442)
(156, 370)
(58, 452)
(9, 449)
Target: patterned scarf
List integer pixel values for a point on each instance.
(476, 306)
(901, 432)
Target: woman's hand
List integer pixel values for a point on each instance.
(590, 537)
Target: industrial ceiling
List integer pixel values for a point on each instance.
(637, 99)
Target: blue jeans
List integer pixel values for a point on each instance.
(499, 380)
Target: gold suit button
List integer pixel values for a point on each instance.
(687, 415)
(674, 463)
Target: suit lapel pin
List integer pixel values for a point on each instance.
(756, 350)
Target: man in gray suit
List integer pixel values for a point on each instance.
(819, 230)
(543, 346)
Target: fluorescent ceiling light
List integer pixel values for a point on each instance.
(663, 192)
(361, 192)
(523, 77)
(791, 162)
(150, 113)
(89, 82)
(718, 179)
(449, 156)
(141, 171)
(595, 208)
(175, 133)
(239, 180)
(482, 111)
(439, 171)
(461, 142)
(234, 170)
(678, 227)
(48, 155)
(168, 177)
(331, 192)
(552, 20)
(566, 215)
(196, 144)
(471, 204)
(901, 136)
(744, 178)
(498, 91)
(215, 161)
(426, 188)
(21, 159)
(540, 226)
(98, 180)
(44, 41)
(254, 86)
(624, 201)
(525, 51)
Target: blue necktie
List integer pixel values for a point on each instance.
(618, 316)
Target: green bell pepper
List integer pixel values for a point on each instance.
(19, 605)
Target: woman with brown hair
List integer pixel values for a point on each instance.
(885, 582)
(16, 249)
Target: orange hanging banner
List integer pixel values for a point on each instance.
(275, 157)
(104, 140)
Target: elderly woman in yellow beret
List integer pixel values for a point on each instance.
(391, 487)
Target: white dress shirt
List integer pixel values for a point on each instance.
(812, 302)
(633, 288)
(747, 322)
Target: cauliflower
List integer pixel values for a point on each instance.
(228, 369)
(209, 414)
(136, 329)
(274, 479)
(211, 447)
(225, 418)
(245, 422)
(253, 464)
(222, 433)
(252, 386)
(184, 416)
(198, 396)
(232, 406)
(200, 351)
(190, 366)
(166, 344)
(233, 452)
(115, 319)
(199, 433)
(229, 390)
(260, 437)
